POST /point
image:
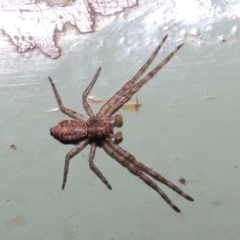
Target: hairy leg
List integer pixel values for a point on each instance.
(146, 169)
(127, 95)
(94, 168)
(116, 97)
(87, 91)
(134, 170)
(67, 111)
(71, 154)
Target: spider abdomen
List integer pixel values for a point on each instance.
(70, 130)
(99, 128)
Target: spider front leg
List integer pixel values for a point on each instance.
(134, 88)
(87, 91)
(68, 157)
(94, 168)
(67, 111)
(116, 97)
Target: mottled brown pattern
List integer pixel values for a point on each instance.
(70, 130)
(98, 129)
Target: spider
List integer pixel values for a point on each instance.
(97, 130)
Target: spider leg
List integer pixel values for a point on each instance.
(87, 91)
(71, 154)
(146, 169)
(67, 111)
(127, 95)
(116, 97)
(94, 168)
(134, 170)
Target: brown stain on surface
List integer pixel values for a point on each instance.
(69, 236)
(182, 181)
(18, 221)
(129, 106)
(13, 147)
(132, 106)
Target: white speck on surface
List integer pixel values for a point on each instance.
(182, 33)
(193, 32)
(53, 110)
(222, 39)
(234, 30)
(165, 29)
(121, 40)
(209, 97)
(209, 28)
(95, 99)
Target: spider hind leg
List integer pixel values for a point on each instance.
(147, 170)
(134, 170)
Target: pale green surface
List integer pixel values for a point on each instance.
(176, 131)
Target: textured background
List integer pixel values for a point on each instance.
(188, 126)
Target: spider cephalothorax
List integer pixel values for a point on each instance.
(98, 129)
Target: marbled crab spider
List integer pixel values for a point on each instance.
(98, 129)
